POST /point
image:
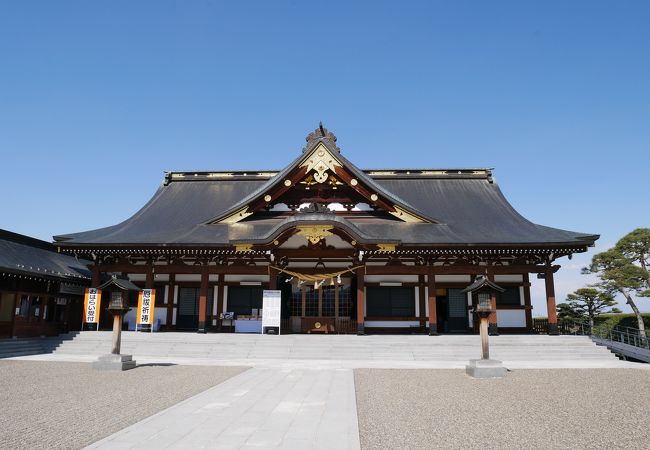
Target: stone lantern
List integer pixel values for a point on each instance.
(482, 290)
(117, 291)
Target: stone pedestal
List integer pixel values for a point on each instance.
(485, 368)
(114, 362)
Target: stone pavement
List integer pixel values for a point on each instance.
(261, 408)
(300, 391)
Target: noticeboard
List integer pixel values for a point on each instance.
(271, 311)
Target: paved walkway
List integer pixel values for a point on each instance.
(300, 391)
(261, 408)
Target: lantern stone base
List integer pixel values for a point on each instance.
(114, 362)
(485, 368)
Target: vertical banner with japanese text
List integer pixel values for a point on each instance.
(92, 305)
(146, 307)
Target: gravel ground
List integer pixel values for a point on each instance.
(563, 408)
(70, 405)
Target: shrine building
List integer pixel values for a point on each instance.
(352, 250)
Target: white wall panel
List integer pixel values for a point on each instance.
(511, 318)
(391, 278)
(188, 277)
(509, 278)
(239, 278)
(453, 278)
(392, 323)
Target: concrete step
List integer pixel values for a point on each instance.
(331, 347)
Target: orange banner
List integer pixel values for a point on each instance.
(146, 306)
(92, 305)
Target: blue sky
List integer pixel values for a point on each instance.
(97, 99)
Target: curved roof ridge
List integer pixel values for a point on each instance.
(311, 219)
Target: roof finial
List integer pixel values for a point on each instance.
(321, 134)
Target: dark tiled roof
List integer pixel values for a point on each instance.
(121, 283)
(28, 256)
(480, 282)
(466, 207)
(470, 210)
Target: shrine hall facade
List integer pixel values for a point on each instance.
(351, 250)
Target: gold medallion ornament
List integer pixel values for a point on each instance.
(315, 233)
(317, 325)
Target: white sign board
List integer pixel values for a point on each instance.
(271, 309)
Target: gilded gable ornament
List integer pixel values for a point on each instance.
(320, 161)
(315, 233)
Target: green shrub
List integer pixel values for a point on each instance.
(622, 320)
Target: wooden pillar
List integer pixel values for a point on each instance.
(320, 301)
(96, 276)
(550, 303)
(148, 283)
(273, 279)
(361, 301)
(117, 334)
(421, 302)
(485, 346)
(493, 328)
(220, 299)
(337, 290)
(527, 303)
(433, 313)
(170, 300)
(203, 300)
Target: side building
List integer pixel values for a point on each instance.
(41, 291)
(351, 250)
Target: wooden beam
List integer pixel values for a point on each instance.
(186, 269)
(457, 270)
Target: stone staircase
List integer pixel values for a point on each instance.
(10, 348)
(250, 347)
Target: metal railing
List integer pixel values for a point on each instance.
(623, 335)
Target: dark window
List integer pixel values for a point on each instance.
(24, 306)
(189, 301)
(390, 301)
(160, 294)
(243, 299)
(509, 297)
